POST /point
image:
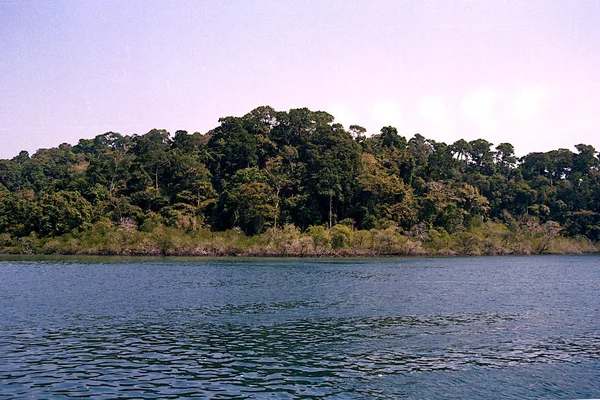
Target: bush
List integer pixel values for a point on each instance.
(340, 236)
(5, 240)
(319, 236)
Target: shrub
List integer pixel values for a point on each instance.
(340, 236)
(319, 236)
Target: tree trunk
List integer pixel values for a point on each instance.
(276, 207)
(330, 211)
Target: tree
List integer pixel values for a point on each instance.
(14, 212)
(152, 154)
(61, 212)
(358, 133)
(389, 138)
(10, 175)
(249, 201)
(441, 163)
(505, 158)
(190, 181)
(461, 149)
(535, 164)
(585, 159)
(333, 161)
(280, 179)
(560, 164)
(481, 156)
(441, 207)
(421, 149)
(384, 195)
(275, 168)
(231, 148)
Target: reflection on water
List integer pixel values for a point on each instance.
(249, 342)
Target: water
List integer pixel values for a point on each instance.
(495, 327)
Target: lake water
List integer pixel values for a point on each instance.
(493, 327)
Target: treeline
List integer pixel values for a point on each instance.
(274, 177)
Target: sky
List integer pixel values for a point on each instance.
(525, 72)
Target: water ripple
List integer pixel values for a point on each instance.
(300, 358)
(408, 328)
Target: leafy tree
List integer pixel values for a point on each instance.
(585, 161)
(358, 133)
(10, 175)
(505, 158)
(333, 160)
(420, 149)
(560, 164)
(340, 236)
(61, 212)
(482, 158)
(231, 148)
(440, 207)
(389, 138)
(280, 178)
(384, 195)
(152, 155)
(441, 165)
(249, 201)
(274, 169)
(461, 149)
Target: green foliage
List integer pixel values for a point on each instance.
(340, 236)
(319, 236)
(61, 212)
(249, 200)
(285, 241)
(297, 183)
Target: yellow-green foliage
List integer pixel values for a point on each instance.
(320, 236)
(522, 236)
(340, 236)
(5, 240)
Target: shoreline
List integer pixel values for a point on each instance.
(273, 255)
(489, 239)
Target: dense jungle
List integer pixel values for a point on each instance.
(295, 183)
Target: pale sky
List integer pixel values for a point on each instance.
(520, 71)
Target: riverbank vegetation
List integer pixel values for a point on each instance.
(296, 183)
(489, 238)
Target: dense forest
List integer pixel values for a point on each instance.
(297, 183)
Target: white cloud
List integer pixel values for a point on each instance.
(434, 119)
(432, 108)
(529, 102)
(387, 113)
(342, 114)
(480, 106)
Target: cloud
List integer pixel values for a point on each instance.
(516, 116)
(432, 108)
(387, 113)
(480, 107)
(342, 114)
(433, 118)
(529, 103)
